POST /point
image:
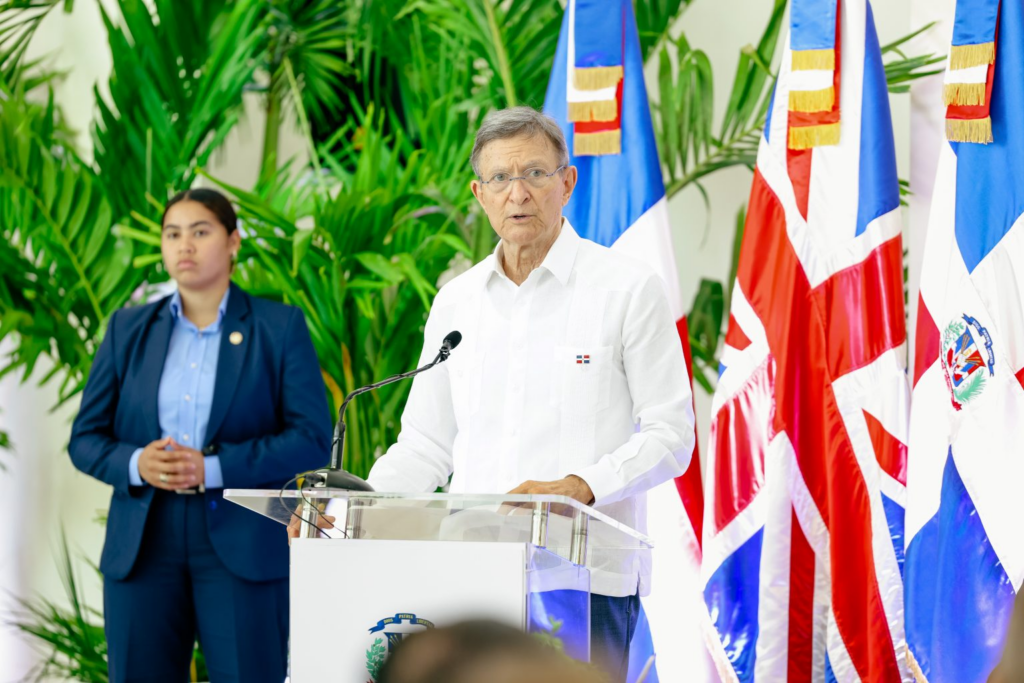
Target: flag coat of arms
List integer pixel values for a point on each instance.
(806, 471)
(598, 96)
(965, 550)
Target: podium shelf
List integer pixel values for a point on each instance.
(564, 526)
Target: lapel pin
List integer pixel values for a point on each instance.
(235, 338)
(583, 359)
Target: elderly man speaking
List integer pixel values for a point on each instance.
(570, 379)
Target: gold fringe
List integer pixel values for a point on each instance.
(597, 144)
(807, 137)
(969, 130)
(812, 100)
(963, 94)
(814, 60)
(596, 77)
(966, 56)
(915, 668)
(602, 110)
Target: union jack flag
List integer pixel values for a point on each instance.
(806, 475)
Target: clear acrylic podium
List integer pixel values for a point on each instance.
(394, 564)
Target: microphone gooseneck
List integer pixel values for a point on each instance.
(336, 477)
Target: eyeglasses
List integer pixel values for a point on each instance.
(534, 177)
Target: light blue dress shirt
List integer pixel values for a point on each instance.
(185, 395)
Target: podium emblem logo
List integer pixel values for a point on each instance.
(386, 634)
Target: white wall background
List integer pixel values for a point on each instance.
(40, 491)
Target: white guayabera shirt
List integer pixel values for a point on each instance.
(577, 371)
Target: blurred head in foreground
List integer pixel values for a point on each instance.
(481, 652)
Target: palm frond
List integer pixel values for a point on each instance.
(363, 265)
(64, 271)
(312, 35)
(684, 123)
(173, 101)
(705, 324)
(514, 40)
(654, 19)
(19, 21)
(903, 70)
(72, 636)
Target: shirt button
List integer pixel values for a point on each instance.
(187, 397)
(184, 437)
(194, 366)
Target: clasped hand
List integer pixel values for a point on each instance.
(168, 465)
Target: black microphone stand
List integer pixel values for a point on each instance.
(336, 477)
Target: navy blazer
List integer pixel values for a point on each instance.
(269, 419)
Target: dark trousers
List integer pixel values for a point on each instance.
(179, 591)
(612, 623)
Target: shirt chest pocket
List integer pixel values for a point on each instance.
(581, 379)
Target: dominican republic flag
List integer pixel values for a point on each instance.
(805, 495)
(965, 549)
(597, 94)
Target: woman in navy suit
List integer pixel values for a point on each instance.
(207, 389)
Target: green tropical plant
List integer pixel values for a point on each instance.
(688, 147)
(67, 262)
(364, 270)
(513, 41)
(19, 21)
(72, 636)
(63, 271)
(178, 73)
(305, 36)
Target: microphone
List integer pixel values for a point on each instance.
(334, 476)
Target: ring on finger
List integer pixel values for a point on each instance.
(163, 477)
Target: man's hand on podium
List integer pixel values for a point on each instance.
(571, 486)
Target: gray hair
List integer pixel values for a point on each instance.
(514, 122)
